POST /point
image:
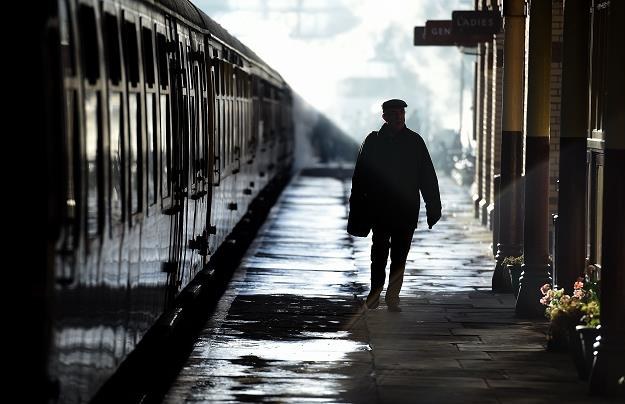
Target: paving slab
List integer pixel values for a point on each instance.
(292, 328)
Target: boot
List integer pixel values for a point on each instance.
(373, 299)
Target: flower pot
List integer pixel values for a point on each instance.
(557, 339)
(577, 354)
(561, 335)
(501, 280)
(586, 336)
(515, 272)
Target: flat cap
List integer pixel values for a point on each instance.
(394, 103)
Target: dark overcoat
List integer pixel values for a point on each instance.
(391, 169)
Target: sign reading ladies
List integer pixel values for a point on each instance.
(484, 22)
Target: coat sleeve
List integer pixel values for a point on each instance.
(428, 184)
(360, 175)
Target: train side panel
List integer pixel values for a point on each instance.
(168, 135)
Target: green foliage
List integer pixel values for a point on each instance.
(512, 260)
(583, 307)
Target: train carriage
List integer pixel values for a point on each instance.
(164, 130)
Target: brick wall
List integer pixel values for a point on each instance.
(497, 100)
(557, 21)
(487, 178)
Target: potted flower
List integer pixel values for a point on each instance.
(513, 267)
(563, 312)
(588, 291)
(573, 321)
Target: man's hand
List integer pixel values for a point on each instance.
(433, 217)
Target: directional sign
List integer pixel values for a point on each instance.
(483, 22)
(439, 33)
(419, 36)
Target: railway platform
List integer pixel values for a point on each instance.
(291, 326)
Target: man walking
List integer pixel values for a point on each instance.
(393, 165)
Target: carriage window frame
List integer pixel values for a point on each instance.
(165, 149)
(161, 54)
(93, 138)
(89, 49)
(201, 129)
(119, 123)
(182, 62)
(66, 40)
(73, 168)
(112, 48)
(147, 43)
(151, 149)
(135, 144)
(131, 51)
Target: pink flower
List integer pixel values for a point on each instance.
(578, 285)
(578, 293)
(545, 288)
(544, 300)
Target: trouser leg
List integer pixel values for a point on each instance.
(400, 245)
(379, 256)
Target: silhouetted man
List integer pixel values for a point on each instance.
(393, 165)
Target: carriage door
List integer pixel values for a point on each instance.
(175, 157)
(199, 187)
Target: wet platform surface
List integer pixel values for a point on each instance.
(292, 329)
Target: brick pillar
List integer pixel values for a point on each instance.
(486, 132)
(511, 224)
(570, 251)
(495, 152)
(536, 266)
(479, 95)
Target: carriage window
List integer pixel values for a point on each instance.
(222, 80)
(222, 132)
(230, 79)
(72, 153)
(165, 146)
(116, 130)
(152, 172)
(163, 76)
(192, 83)
(89, 43)
(148, 55)
(131, 53)
(217, 117)
(183, 55)
(203, 70)
(134, 158)
(233, 82)
(92, 126)
(192, 136)
(182, 65)
(111, 46)
(200, 125)
(217, 78)
(183, 141)
(66, 35)
(228, 130)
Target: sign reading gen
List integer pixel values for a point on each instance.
(468, 22)
(439, 33)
